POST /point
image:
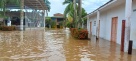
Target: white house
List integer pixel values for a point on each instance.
(106, 21)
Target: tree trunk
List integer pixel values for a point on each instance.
(75, 15)
(80, 13)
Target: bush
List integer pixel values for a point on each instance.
(83, 34)
(7, 28)
(79, 33)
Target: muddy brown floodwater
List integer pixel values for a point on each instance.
(57, 45)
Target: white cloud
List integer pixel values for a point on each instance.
(89, 5)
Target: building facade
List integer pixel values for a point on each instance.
(106, 22)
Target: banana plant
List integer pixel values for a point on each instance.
(77, 7)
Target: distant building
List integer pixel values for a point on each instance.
(58, 17)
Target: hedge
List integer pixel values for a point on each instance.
(7, 28)
(79, 33)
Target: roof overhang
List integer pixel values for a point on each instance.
(107, 6)
(57, 17)
(35, 4)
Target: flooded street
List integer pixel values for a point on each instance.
(57, 45)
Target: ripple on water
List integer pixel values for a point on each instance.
(56, 45)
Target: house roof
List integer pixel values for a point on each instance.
(110, 4)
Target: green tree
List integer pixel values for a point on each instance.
(71, 7)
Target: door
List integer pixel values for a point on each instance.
(114, 29)
(91, 28)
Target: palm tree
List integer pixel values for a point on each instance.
(48, 6)
(79, 11)
(71, 6)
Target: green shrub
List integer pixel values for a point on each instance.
(53, 24)
(7, 28)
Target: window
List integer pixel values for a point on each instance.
(94, 23)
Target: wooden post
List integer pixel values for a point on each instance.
(122, 35)
(130, 47)
(21, 15)
(128, 10)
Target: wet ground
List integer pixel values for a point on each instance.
(57, 45)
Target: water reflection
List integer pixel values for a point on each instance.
(57, 45)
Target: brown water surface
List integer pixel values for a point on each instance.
(57, 45)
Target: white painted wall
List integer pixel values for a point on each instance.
(114, 12)
(105, 23)
(133, 25)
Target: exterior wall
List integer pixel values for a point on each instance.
(106, 18)
(105, 23)
(92, 19)
(133, 25)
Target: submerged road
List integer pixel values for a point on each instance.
(57, 45)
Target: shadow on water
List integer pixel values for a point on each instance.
(57, 45)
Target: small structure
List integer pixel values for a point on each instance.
(30, 13)
(59, 19)
(108, 22)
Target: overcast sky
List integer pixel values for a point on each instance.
(88, 5)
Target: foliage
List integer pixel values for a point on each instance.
(48, 20)
(68, 24)
(61, 23)
(69, 13)
(69, 10)
(53, 24)
(7, 28)
(70, 19)
(79, 33)
(48, 4)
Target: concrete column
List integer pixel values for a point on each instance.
(21, 15)
(128, 10)
(88, 22)
(87, 17)
(97, 24)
